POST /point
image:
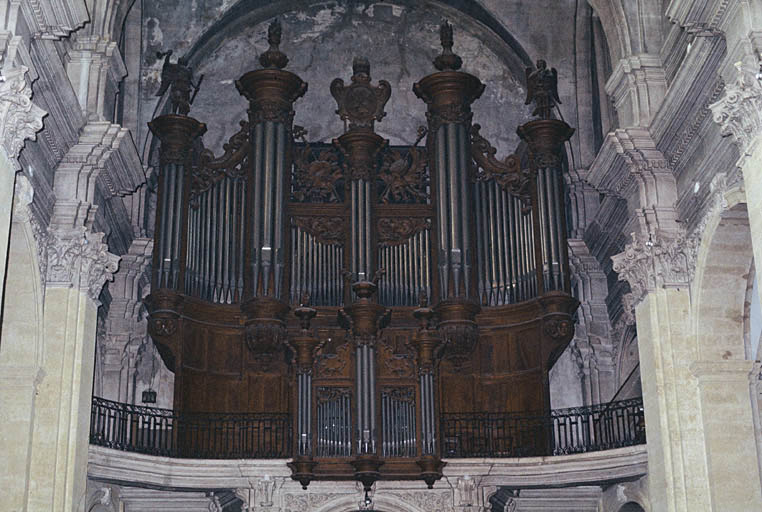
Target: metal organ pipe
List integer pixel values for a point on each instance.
(177, 134)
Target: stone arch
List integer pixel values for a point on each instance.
(381, 503)
(722, 268)
(630, 26)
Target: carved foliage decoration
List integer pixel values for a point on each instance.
(20, 119)
(80, 258)
(318, 176)
(232, 163)
(405, 177)
(656, 261)
(398, 230)
(739, 111)
(326, 230)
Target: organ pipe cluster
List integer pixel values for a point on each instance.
(488, 238)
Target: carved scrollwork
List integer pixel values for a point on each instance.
(398, 230)
(317, 175)
(507, 173)
(405, 177)
(232, 163)
(326, 230)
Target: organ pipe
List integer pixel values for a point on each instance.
(271, 92)
(448, 95)
(177, 134)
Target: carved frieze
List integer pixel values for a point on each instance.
(79, 258)
(20, 119)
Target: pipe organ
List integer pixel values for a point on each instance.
(296, 277)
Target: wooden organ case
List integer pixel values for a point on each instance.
(296, 278)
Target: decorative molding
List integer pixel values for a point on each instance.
(54, 19)
(656, 261)
(20, 119)
(722, 371)
(739, 111)
(79, 258)
(637, 85)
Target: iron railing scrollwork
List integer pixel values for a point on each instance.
(565, 431)
(168, 433)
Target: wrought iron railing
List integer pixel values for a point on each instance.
(261, 436)
(164, 432)
(565, 431)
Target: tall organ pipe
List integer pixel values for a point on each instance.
(271, 93)
(177, 134)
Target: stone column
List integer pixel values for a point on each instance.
(79, 263)
(20, 119)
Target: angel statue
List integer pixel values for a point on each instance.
(542, 88)
(180, 77)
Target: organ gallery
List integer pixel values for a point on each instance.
(381, 297)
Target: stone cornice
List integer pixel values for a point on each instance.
(637, 85)
(188, 474)
(105, 151)
(20, 119)
(739, 111)
(78, 258)
(54, 19)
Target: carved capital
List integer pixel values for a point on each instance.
(739, 111)
(656, 261)
(79, 258)
(20, 119)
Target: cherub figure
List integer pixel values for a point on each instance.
(178, 78)
(542, 88)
